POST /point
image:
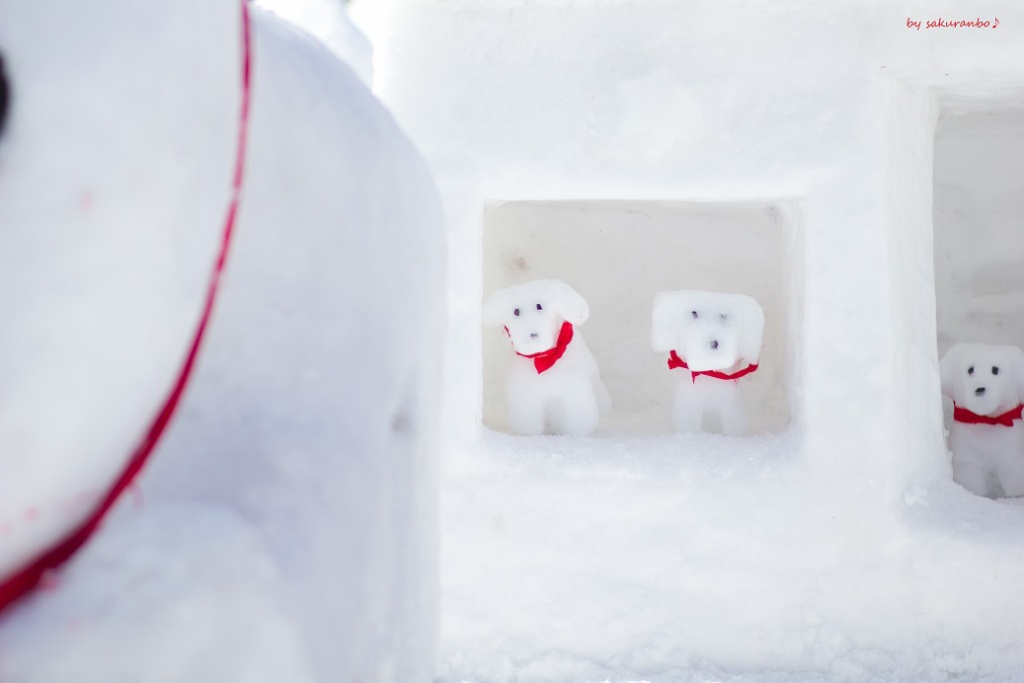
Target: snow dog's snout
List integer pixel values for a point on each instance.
(986, 379)
(5, 94)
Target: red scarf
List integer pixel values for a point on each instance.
(545, 360)
(674, 361)
(28, 577)
(1004, 420)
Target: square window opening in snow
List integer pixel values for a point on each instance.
(618, 254)
(978, 223)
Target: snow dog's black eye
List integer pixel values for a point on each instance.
(694, 314)
(516, 312)
(5, 95)
(970, 370)
(995, 369)
(539, 307)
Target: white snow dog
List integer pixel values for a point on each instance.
(552, 385)
(714, 339)
(986, 383)
(212, 238)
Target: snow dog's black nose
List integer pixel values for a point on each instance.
(5, 94)
(980, 391)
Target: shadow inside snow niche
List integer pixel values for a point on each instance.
(5, 94)
(710, 456)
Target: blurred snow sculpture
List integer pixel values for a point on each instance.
(4, 89)
(553, 385)
(986, 383)
(305, 438)
(714, 339)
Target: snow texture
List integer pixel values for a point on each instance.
(708, 331)
(566, 398)
(987, 380)
(286, 527)
(837, 549)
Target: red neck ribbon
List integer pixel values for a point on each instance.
(674, 361)
(545, 360)
(1004, 420)
(28, 577)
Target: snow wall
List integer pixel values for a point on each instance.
(286, 526)
(832, 543)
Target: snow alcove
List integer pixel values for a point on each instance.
(618, 255)
(978, 223)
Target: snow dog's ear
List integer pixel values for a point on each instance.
(667, 321)
(495, 312)
(751, 327)
(5, 94)
(567, 302)
(949, 370)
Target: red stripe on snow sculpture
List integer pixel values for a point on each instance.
(674, 361)
(29, 576)
(961, 414)
(545, 360)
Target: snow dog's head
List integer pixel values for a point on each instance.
(119, 123)
(709, 330)
(109, 199)
(533, 313)
(986, 379)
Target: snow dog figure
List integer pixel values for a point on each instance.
(714, 339)
(213, 239)
(986, 383)
(552, 385)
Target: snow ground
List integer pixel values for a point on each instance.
(708, 558)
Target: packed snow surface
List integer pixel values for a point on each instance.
(704, 557)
